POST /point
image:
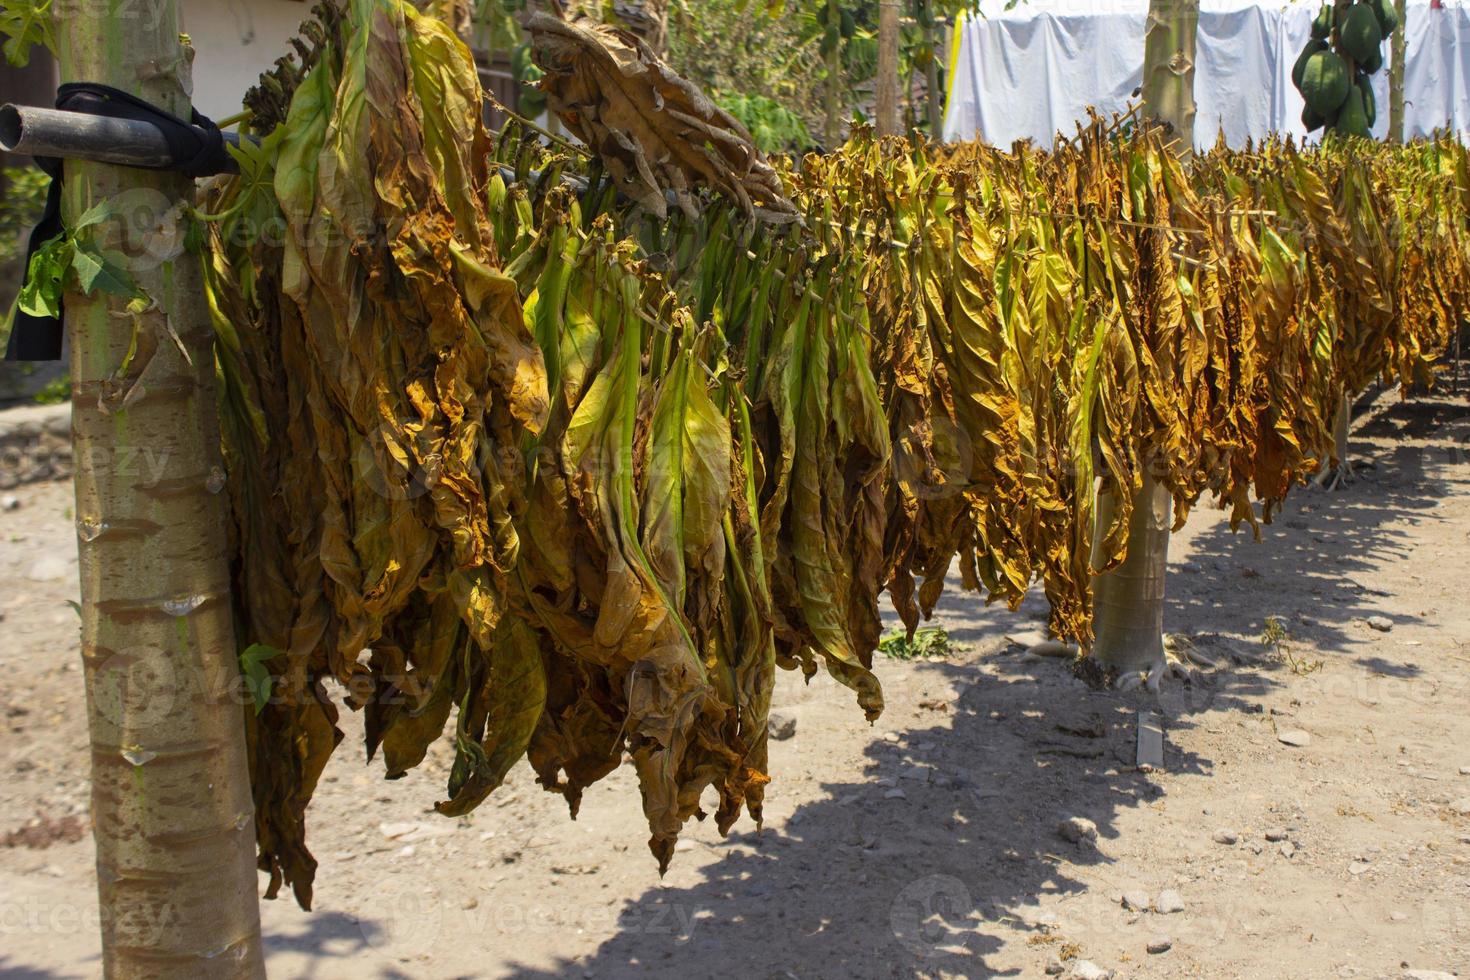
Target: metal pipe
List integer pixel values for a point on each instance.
(38, 132)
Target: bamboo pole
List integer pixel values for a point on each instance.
(171, 805)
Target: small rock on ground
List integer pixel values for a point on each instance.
(1169, 901)
(1296, 737)
(1077, 829)
(1160, 944)
(1088, 970)
(1054, 965)
(781, 725)
(1276, 834)
(1428, 975)
(1136, 900)
(1226, 837)
(1381, 623)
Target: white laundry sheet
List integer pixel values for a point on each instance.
(1031, 72)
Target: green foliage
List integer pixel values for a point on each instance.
(931, 642)
(20, 207)
(1274, 635)
(775, 128)
(25, 23)
(77, 252)
(745, 46)
(257, 677)
(55, 392)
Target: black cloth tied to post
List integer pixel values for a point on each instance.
(196, 149)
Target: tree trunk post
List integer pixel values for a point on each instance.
(934, 96)
(1128, 601)
(171, 804)
(887, 80)
(832, 86)
(1399, 55)
(1169, 48)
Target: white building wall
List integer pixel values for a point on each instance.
(234, 41)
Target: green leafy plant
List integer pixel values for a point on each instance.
(25, 24)
(55, 392)
(74, 251)
(929, 643)
(1274, 635)
(775, 128)
(20, 206)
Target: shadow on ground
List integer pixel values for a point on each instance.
(912, 870)
(946, 841)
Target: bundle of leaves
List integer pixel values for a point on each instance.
(654, 131)
(557, 473)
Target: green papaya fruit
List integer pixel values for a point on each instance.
(1325, 82)
(1353, 120)
(1370, 101)
(1359, 33)
(1322, 26)
(849, 24)
(1373, 63)
(1299, 69)
(1311, 119)
(1388, 18)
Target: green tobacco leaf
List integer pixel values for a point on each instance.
(257, 677)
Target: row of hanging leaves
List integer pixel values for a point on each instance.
(517, 462)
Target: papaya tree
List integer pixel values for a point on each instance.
(1128, 600)
(171, 804)
(1334, 75)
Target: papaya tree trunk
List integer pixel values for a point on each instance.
(1341, 425)
(1169, 46)
(887, 80)
(171, 805)
(832, 86)
(1399, 55)
(1128, 602)
(933, 94)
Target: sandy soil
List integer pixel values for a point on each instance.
(926, 845)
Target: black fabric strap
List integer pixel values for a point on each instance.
(196, 149)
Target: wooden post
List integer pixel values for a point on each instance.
(171, 804)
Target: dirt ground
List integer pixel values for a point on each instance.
(926, 845)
